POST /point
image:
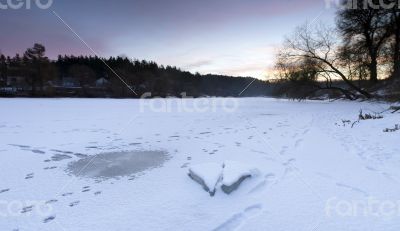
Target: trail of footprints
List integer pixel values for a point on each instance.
(58, 156)
(234, 222)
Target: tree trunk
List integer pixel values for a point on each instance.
(396, 58)
(373, 68)
(373, 55)
(33, 84)
(3, 75)
(40, 78)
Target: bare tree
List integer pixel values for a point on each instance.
(394, 27)
(365, 28)
(320, 44)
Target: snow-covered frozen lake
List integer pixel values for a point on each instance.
(316, 172)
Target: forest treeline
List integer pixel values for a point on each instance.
(359, 57)
(35, 75)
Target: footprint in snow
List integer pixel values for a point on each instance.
(298, 142)
(237, 220)
(86, 189)
(51, 201)
(38, 151)
(289, 162)
(79, 155)
(48, 219)
(60, 157)
(92, 147)
(67, 194)
(50, 168)
(29, 176)
(284, 150)
(185, 165)
(73, 204)
(4, 190)
(27, 209)
(20, 146)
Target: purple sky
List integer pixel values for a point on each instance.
(234, 37)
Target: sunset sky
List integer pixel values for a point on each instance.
(233, 37)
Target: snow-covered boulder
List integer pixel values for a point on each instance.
(207, 175)
(234, 173)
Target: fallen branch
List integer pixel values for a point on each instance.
(396, 128)
(369, 116)
(395, 109)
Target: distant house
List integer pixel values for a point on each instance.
(142, 87)
(69, 82)
(15, 86)
(65, 82)
(66, 86)
(102, 82)
(3, 81)
(16, 81)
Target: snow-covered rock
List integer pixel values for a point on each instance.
(234, 174)
(229, 175)
(207, 175)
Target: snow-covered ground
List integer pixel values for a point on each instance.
(315, 173)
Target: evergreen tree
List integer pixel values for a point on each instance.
(3, 71)
(36, 60)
